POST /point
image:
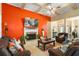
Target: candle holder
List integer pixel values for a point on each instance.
(6, 29)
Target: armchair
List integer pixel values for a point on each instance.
(61, 37)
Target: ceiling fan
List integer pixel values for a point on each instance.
(53, 10)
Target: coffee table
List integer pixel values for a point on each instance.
(44, 42)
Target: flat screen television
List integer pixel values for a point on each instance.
(31, 23)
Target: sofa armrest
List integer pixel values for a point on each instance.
(55, 52)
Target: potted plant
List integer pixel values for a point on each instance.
(37, 36)
(22, 38)
(26, 36)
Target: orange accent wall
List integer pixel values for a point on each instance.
(14, 17)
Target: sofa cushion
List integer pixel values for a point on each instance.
(76, 53)
(4, 52)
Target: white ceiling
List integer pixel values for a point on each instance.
(32, 7)
(46, 8)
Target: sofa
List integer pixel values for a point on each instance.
(72, 50)
(5, 50)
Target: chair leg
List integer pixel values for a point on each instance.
(54, 43)
(44, 46)
(38, 43)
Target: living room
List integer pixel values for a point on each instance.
(40, 29)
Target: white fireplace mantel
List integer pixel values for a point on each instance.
(30, 31)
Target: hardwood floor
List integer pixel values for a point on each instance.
(36, 51)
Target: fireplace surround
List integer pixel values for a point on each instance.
(31, 36)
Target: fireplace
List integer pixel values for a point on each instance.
(31, 36)
(30, 27)
(31, 33)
